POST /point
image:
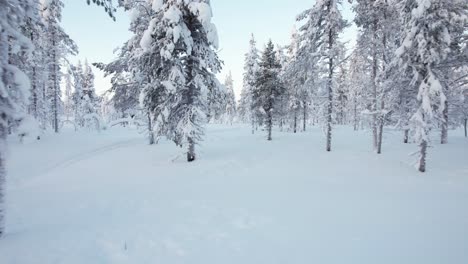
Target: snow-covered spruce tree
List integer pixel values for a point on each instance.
(133, 69)
(358, 81)
(14, 84)
(247, 111)
(298, 78)
(427, 41)
(32, 63)
(230, 99)
(463, 112)
(293, 82)
(216, 101)
(182, 33)
(78, 94)
(68, 101)
(341, 99)
(449, 69)
(377, 20)
(268, 89)
(283, 101)
(459, 110)
(59, 45)
(323, 24)
(89, 100)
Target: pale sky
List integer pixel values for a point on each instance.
(98, 36)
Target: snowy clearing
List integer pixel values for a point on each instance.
(108, 197)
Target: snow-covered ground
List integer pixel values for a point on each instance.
(108, 197)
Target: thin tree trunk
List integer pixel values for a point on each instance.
(150, 130)
(305, 116)
(190, 100)
(380, 136)
(381, 129)
(55, 83)
(374, 90)
(445, 122)
(2, 178)
(295, 121)
(330, 93)
(269, 125)
(406, 136)
(253, 126)
(356, 124)
(466, 124)
(191, 150)
(423, 155)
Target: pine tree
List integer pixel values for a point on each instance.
(377, 20)
(358, 81)
(230, 101)
(78, 94)
(268, 89)
(247, 111)
(68, 101)
(323, 25)
(183, 72)
(14, 84)
(59, 45)
(299, 77)
(426, 42)
(89, 97)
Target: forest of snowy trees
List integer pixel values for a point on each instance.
(407, 72)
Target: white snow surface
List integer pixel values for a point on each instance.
(108, 197)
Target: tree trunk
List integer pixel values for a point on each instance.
(381, 129)
(330, 92)
(191, 150)
(374, 89)
(269, 125)
(253, 125)
(380, 135)
(423, 155)
(406, 136)
(295, 121)
(445, 123)
(355, 121)
(466, 124)
(3, 136)
(305, 116)
(56, 86)
(150, 130)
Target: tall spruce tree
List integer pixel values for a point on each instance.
(59, 44)
(323, 25)
(230, 99)
(182, 35)
(268, 89)
(247, 111)
(14, 84)
(427, 41)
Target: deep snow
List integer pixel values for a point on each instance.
(108, 197)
